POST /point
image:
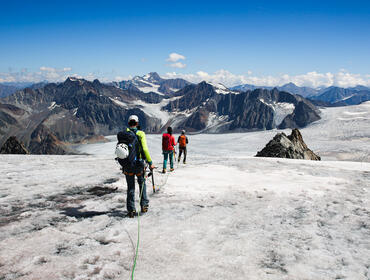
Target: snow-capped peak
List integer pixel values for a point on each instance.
(73, 79)
(147, 83)
(221, 88)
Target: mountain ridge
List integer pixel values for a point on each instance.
(49, 117)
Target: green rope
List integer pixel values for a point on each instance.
(137, 246)
(138, 235)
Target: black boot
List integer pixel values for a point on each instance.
(131, 214)
(144, 209)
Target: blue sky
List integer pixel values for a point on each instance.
(115, 39)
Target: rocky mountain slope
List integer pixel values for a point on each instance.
(67, 112)
(208, 109)
(48, 118)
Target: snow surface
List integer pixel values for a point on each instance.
(150, 87)
(281, 110)
(74, 111)
(348, 97)
(118, 102)
(224, 215)
(222, 89)
(53, 105)
(154, 110)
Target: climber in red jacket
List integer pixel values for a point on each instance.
(168, 147)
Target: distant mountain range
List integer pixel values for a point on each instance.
(152, 82)
(159, 88)
(336, 96)
(7, 89)
(331, 96)
(290, 87)
(47, 118)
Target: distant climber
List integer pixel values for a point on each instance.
(168, 147)
(132, 151)
(183, 141)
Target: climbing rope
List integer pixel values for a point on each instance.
(158, 186)
(176, 157)
(138, 231)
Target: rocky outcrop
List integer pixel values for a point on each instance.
(13, 146)
(291, 146)
(43, 142)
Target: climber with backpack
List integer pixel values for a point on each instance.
(168, 148)
(183, 141)
(131, 152)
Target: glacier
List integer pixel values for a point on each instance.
(224, 215)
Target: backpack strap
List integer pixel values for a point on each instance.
(141, 150)
(142, 154)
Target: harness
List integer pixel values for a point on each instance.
(132, 174)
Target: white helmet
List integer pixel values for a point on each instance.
(122, 151)
(133, 117)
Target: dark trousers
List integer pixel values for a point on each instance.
(182, 149)
(131, 192)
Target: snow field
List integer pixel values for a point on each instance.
(257, 219)
(224, 215)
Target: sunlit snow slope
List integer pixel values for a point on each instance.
(224, 215)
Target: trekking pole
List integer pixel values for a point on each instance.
(153, 182)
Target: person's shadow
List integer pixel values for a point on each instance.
(78, 214)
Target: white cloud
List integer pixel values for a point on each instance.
(173, 57)
(44, 73)
(311, 79)
(49, 74)
(47, 69)
(315, 79)
(178, 65)
(51, 69)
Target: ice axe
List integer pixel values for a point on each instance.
(151, 173)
